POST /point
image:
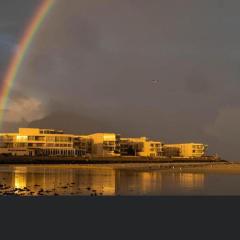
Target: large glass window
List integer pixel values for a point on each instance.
(50, 139)
(22, 138)
(63, 139)
(31, 138)
(40, 138)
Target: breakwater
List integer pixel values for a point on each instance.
(101, 160)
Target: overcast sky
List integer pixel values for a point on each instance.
(91, 68)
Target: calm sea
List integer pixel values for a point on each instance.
(92, 180)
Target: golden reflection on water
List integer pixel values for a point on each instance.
(151, 181)
(20, 177)
(191, 180)
(62, 180)
(138, 183)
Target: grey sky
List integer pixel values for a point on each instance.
(94, 61)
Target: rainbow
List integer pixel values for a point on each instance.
(16, 61)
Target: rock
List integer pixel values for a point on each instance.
(9, 193)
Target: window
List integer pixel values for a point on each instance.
(64, 139)
(22, 138)
(40, 138)
(50, 144)
(31, 138)
(50, 139)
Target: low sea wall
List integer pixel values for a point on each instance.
(101, 160)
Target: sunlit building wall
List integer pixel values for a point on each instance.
(83, 145)
(186, 150)
(50, 142)
(140, 147)
(105, 144)
(34, 141)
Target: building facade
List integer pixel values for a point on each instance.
(50, 142)
(142, 147)
(82, 145)
(185, 150)
(105, 144)
(40, 142)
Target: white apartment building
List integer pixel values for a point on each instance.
(185, 150)
(142, 147)
(35, 141)
(105, 144)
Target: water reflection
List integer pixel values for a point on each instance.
(65, 180)
(191, 180)
(138, 183)
(20, 180)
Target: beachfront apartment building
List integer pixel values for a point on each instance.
(105, 144)
(142, 147)
(50, 142)
(34, 141)
(185, 150)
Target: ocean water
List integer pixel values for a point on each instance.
(36, 180)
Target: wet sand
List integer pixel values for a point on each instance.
(173, 166)
(229, 168)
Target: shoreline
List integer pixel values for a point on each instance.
(104, 160)
(173, 165)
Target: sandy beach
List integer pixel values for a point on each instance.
(144, 166)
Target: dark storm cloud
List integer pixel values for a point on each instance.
(6, 43)
(96, 60)
(7, 47)
(14, 16)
